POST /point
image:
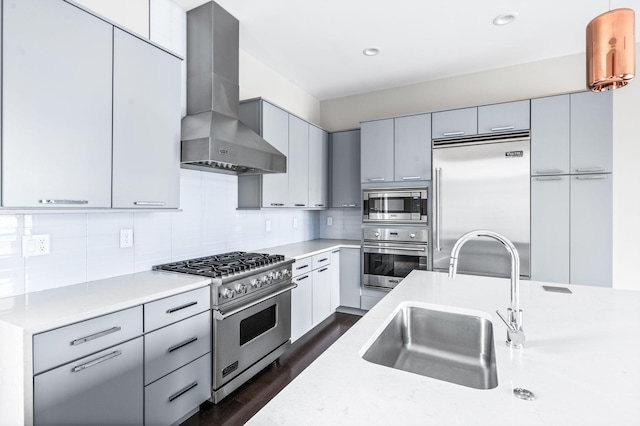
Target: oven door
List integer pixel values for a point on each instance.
(395, 206)
(386, 264)
(243, 338)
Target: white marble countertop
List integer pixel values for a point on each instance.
(581, 359)
(309, 248)
(48, 309)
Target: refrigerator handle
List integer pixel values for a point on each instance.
(436, 207)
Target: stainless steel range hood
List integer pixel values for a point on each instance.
(213, 139)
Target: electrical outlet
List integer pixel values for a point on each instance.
(329, 221)
(267, 225)
(295, 222)
(36, 245)
(126, 238)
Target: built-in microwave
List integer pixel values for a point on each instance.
(395, 205)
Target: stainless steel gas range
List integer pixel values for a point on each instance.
(251, 313)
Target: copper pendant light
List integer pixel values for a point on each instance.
(611, 44)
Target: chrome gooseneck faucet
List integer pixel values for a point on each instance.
(515, 334)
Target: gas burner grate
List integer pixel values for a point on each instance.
(222, 265)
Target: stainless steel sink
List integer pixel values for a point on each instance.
(453, 347)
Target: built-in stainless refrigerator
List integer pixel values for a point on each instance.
(482, 182)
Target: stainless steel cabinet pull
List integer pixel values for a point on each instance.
(395, 248)
(349, 205)
(548, 172)
(150, 203)
(590, 170)
(324, 259)
(94, 336)
(63, 201)
(183, 391)
(299, 205)
(436, 206)
(497, 129)
(546, 179)
(96, 361)
(302, 267)
(181, 345)
(277, 204)
(591, 177)
(177, 308)
(452, 133)
(323, 269)
(411, 177)
(319, 205)
(302, 278)
(376, 179)
(220, 315)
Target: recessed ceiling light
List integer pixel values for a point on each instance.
(505, 18)
(371, 51)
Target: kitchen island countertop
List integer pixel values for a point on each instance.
(581, 360)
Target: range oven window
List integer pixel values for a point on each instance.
(257, 324)
(392, 265)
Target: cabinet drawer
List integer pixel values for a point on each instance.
(506, 117)
(176, 395)
(454, 123)
(172, 347)
(302, 266)
(175, 308)
(322, 259)
(59, 346)
(101, 389)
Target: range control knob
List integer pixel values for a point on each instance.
(287, 272)
(412, 235)
(257, 282)
(268, 278)
(279, 275)
(228, 293)
(241, 289)
(376, 234)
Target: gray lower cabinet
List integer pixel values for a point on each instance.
(146, 125)
(318, 167)
(56, 99)
(104, 388)
(350, 277)
(591, 132)
(298, 162)
(455, 123)
(412, 148)
(504, 117)
(376, 153)
(550, 135)
(345, 169)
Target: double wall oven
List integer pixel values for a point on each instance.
(395, 237)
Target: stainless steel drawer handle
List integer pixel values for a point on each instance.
(319, 205)
(591, 170)
(48, 201)
(396, 248)
(376, 179)
(452, 133)
(497, 129)
(411, 177)
(548, 171)
(302, 278)
(178, 308)
(323, 269)
(349, 205)
(299, 205)
(592, 177)
(302, 267)
(546, 179)
(182, 392)
(150, 203)
(277, 204)
(96, 361)
(324, 259)
(182, 345)
(95, 336)
(220, 315)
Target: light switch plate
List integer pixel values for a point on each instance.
(329, 221)
(36, 245)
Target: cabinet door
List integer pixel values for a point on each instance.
(413, 148)
(102, 389)
(321, 294)
(350, 277)
(298, 162)
(505, 117)
(345, 169)
(591, 230)
(275, 130)
(376, 164)
(56, 83)
(591, 132)
(455, 123)
(335, 280)
(550, 135)
(302, 306)
(550, 228)
(146, 125)
(318, 167)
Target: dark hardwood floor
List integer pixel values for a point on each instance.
(248, 399)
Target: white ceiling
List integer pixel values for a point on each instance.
(317, 44)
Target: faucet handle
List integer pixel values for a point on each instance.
(515, 334)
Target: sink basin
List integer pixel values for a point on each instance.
(450, 346)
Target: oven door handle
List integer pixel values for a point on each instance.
(396, 248)
(219, 315)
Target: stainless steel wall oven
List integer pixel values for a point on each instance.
(395, 205)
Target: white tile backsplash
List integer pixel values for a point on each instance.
(347, 224)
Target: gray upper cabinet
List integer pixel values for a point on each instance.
(376, 161)
(591, 132)
(345, 169)
(298, 162)
(504, 117)
(146, 125)
(56, 81)
(318, 167)
(455, 123)
(412, 148)
(550, 135)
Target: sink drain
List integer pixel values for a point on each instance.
(525, 394)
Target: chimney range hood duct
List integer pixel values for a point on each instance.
(213, 139)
